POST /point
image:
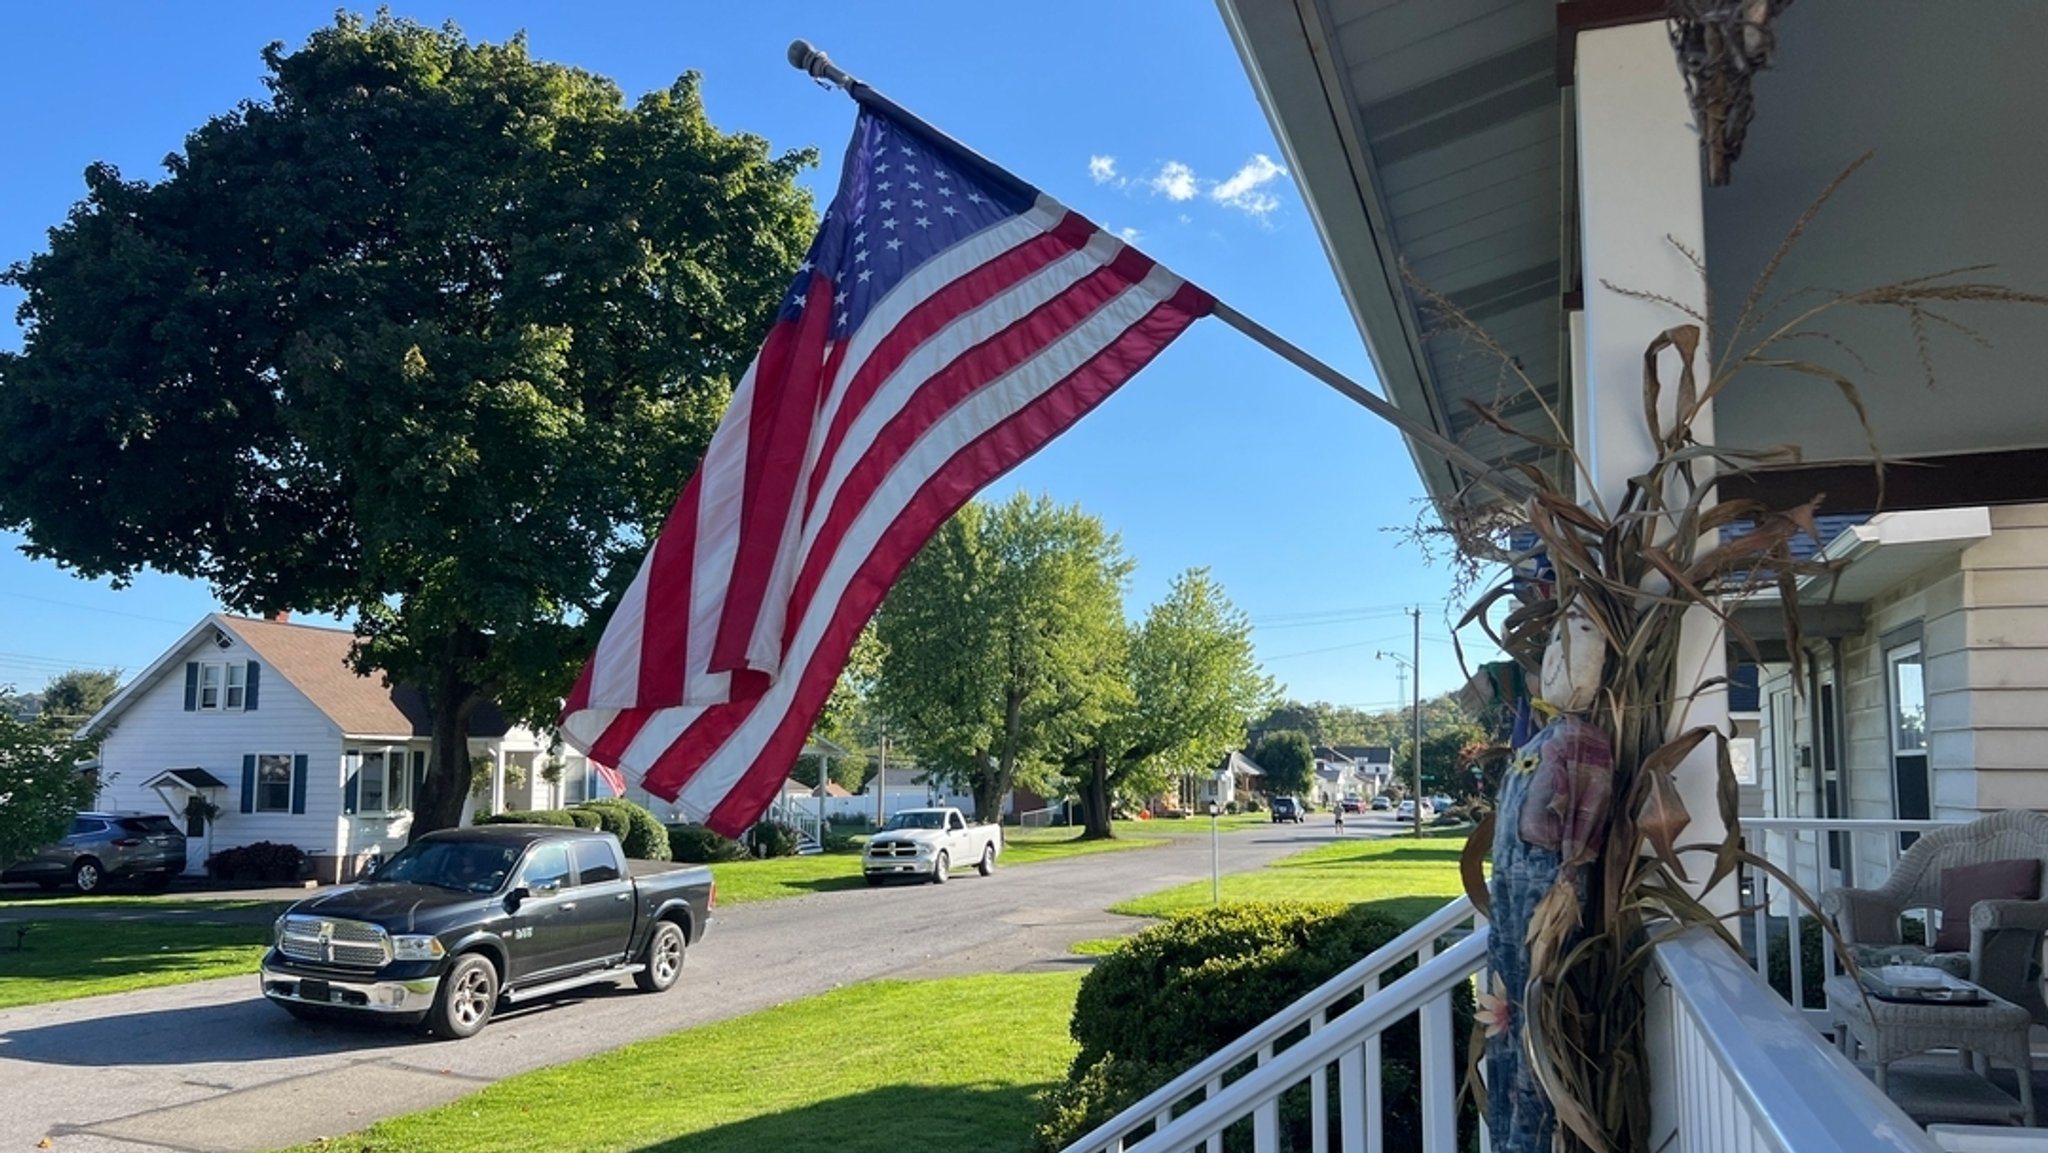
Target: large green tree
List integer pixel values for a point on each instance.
(40, 784)
(1289, 761)
(1002, 644)
(74, 696)
(427, 338)
(1193, 683)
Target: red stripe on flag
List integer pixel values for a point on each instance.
(977, 464)
(787, 386)
(664, 639)
(613, 779)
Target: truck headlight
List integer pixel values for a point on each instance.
(277, 933)
(419, 947)
(924, 850)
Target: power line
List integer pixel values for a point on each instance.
(91, 608)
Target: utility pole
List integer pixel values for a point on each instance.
(882, 782)
(1417, 660)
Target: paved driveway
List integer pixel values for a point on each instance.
(210, 1066)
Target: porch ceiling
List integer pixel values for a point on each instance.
(1425, 134)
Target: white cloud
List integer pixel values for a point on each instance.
(1245, 190)
(1102, 169)
(1176, 180)
(1130, 235)
(1186, 219)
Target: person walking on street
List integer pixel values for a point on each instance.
(1339, 809)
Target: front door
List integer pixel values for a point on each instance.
(543, 930)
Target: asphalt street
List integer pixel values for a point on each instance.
(211, 1067)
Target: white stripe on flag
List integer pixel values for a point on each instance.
(721, 495)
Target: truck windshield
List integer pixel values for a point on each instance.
(465, 868)
(917, 820)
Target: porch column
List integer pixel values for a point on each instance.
(1639, 199)
(497, 779)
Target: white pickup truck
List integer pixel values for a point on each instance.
(928, 843)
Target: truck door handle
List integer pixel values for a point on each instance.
(623, 897)
(568, 906)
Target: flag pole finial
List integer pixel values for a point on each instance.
(817, 65)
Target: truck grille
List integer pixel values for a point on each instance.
(892, 849)
(354, 944)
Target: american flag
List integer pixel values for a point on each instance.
(613, 778)
(947, 322)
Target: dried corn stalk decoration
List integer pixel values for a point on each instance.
(1669, 548)
(1721, 46)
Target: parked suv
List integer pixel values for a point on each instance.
(1286, 809)
(105, 846)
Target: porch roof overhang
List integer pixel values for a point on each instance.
(1867, 560)
(1428, 142)
(193, 780)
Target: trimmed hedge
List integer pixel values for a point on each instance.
(262, 861)
(1178, 991)
(565, 818)
(639, 831)
(769, 839)
(697, 845)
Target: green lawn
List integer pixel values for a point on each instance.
(1410, 878)
(29, 901)
(59, 960)
(874, 1068)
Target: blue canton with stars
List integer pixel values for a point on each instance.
(903, 198)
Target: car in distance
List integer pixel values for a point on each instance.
(1406, 811)
(927, 843)
(462, 920)
(1287, 809)
(1350, 805)
(1382, 804)
(102, 847)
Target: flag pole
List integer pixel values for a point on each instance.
(819, 66)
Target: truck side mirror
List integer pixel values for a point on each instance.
(517, 897)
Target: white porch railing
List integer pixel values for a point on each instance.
(1734, 1070)
(810, 829)
(1194, 1109)
(1821, 853)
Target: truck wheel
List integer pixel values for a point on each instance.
(988, 860)
(87, 876)
(939, 869)
(469, 994)
(663, 959)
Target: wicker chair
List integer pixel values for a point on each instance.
(2005, 935)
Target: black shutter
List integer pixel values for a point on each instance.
(254, 678)
(191, 685)
(348, 790)
(249, 783)
(419, 775)
(298, 779)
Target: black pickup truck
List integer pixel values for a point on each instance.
(464, 918)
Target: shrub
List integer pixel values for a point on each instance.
(697, 845)
(561, 817)
(262, 861)
(1231, 808)
(639, 831)
(769, 839)
(1178, 991)
(1254, 806)
(841, 843)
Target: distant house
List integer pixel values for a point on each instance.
(266, 721)
(1336, 777)
(1372, 764)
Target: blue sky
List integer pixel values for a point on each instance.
(1136, 113)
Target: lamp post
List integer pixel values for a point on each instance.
(1215, 858)
(1413, 665)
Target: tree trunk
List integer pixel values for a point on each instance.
(454, 698)
(1096, 804)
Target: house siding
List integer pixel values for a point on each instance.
(2005, 586)
(155, 733)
